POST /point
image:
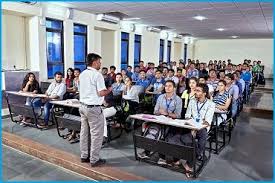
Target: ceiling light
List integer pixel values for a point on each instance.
(220, 29)
(134, 18)
(198, 17)
(234, 37)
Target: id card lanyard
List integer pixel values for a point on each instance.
(198, 110)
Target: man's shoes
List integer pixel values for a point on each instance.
(98, 163)
(42, 126)
(143, 155)
(85, 160)
(161, 162)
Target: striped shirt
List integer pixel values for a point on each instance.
(213, 83)
(220, 99)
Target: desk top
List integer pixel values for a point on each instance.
(68, 103)
(217, 111)
(26, 94)
(181, 123)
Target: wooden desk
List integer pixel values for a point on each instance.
(185, 152)
(74, 122)
(22, 109)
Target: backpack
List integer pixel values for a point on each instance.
(153, 131)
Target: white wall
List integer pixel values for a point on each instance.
(177, 51)
(97, 42)
(150, 42)
(108, 48)
(237, 50)
(13, 42)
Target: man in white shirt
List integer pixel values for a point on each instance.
(172, 77)
(56, 90)
(92, 91)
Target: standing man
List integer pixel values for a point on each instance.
(92, 91)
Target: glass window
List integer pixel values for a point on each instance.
(124, 50)
(80, 46)
(137, 49)
(185, 52)
(161, 50)
(169, 52)
(54, 41)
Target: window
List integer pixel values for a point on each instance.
(124, 50)
(169, 52)
(55, 55)
(161, 50)
(80, 46)
(185, 52)
(137, 49)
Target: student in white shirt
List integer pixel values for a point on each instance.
(56, 90)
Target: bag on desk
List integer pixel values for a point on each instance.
(153, 131)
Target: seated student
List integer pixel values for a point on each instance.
(129, 72)
(107, 79)
(157, 85)
(135, 75)
(74, 89)
(210, 87)
(222, 100)
(188, 94)
(233, 91)
(164, 72)
(171, 76)
(221, 74)
(212, 80)
(181, 78)
(124, 74)
(192, 71)
(69, 84)
(142, 81)
(112, 73)
(240, 80)
(131, 94)
(168, 104)
(69, 79)
(56, 90)
(117, 88)
(30, 84)
(247, 77)
(201, 110)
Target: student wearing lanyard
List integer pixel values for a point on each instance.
(157, 85)
(201, 110)
(143, 81)
(117, 88)
(168, 104)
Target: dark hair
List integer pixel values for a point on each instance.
(70, 69)
(159, 71)
(204, 88)
(141, 61)
(204, 77)
(77, 69)
(178, 69)
(171, 70)
(130, 66)
(223, 82)
(142, 71)
(112, 67)
(229, 75)
(91, 57)
(35, 82)
(104, 68)
(170, 81)
(212, 70)
(119, 74)
(137, 66)
(130, 79)
(58, 73)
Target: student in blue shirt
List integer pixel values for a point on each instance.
(135, 75)
(157, 85)
(129, 72)
(246, 75)
(142, 80)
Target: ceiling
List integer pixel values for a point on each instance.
(243, 19)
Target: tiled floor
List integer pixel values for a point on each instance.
(247, 157)
(19, 166)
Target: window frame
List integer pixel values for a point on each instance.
(86, 42)
(137, 41)
(127, 40)
(161, 47)
(61, 31)
(169, 44)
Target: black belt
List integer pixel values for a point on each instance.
(90, 106)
